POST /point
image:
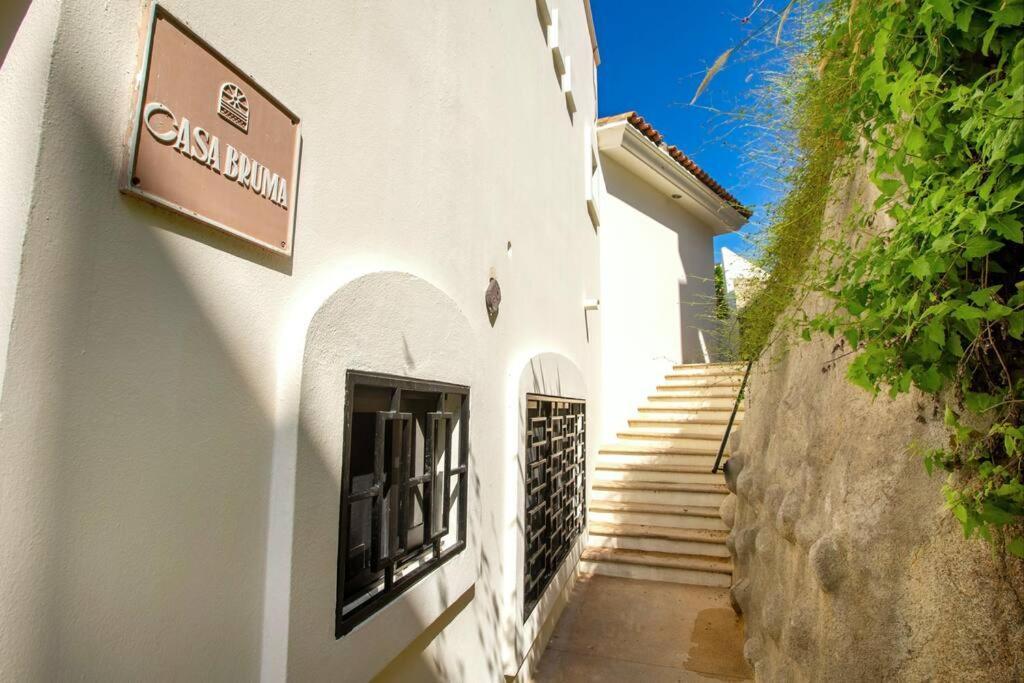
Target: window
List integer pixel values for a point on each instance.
(556, 470)
(403, 488)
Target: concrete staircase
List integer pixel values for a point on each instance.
(654, 504)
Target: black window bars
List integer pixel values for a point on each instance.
(402, 463)
(556, 471)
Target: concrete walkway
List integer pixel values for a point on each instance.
(623, 630)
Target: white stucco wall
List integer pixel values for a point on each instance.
(657, 280)
(27, 31)
(156, 494)
(741, 277)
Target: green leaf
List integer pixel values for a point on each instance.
(997, 310)
(943, 243)
(955, 346)
(930, 381)
(960, 512)
(944, 8)
(993, 514)
(986, 41)
(949, 417)
(1004, 198)
(982, 296)
(963, 18)
(979, 246)
(1009, 228)
(1016, 547)
(858, 375)
(936, 332)
(979, 402)
(920, 268)
(852, 336)
(888, 186)
(1012, 14)
(1016, 323)
(915, 140)
(968, 312)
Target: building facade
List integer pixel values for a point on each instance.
(660, 214)
(227, 462)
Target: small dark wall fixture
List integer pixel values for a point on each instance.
(492, 299)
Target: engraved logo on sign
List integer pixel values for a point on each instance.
(233, 106)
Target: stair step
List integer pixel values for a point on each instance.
(676, 380)
(653, 514)
(681, 405)
(655, 566)
(659, 486)
(666, 392)
(661, 418)
(671, 445)
(696, 562)
(660, 493)
(716, 536)
(682, 474)
(711, 369)
(663, 447)
(705, 432)
(704, 461)
(701, 542)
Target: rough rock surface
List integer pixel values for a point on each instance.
(847, 565)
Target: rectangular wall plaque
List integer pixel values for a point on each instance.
(209, 143)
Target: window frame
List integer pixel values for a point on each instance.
(456, 465)
(532, 599)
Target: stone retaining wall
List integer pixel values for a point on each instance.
(847, 565)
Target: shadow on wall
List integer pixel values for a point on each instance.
(693, 282)
(138, 434)
(391, 322)
(138, 444)
(12, 13)
(439, 655)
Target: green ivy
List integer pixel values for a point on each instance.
(932, 100)
(721, 301)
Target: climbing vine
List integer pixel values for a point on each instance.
(721, 302)
(933, 298)
(925, 287)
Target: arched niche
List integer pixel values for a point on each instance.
(385, 322)
(548, 374)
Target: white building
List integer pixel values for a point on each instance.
(188, 420)
(741, 278)
(659, 219)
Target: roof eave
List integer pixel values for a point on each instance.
(623, 142)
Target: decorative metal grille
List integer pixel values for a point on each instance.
(402, 463)
(556, 473)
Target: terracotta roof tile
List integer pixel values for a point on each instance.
(686, 162)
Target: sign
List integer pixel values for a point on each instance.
(209, 143)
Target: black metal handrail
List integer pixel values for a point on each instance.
(732, 418)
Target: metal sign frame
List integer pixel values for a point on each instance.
(157, 11)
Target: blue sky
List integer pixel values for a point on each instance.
(653, 57)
